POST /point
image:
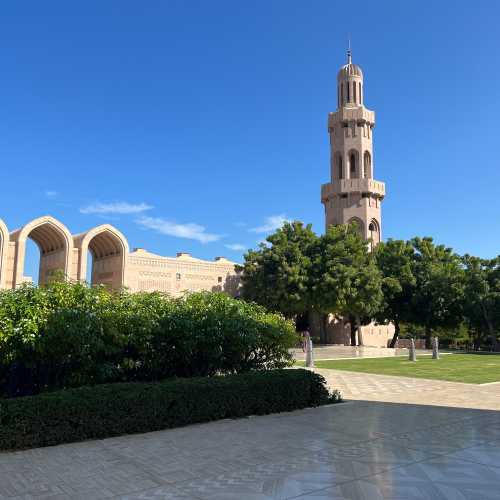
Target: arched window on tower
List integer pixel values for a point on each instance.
(360, 100)
(367, 160)
(342, 93)
(374, 233)
(348, 92)
(352, 165)
(354, 92)
(340, 167)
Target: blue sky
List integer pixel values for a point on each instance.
(198, 126)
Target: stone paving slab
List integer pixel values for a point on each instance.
(395, 438)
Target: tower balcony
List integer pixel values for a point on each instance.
(341, 186)
(359, 113)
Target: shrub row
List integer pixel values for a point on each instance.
(123, 408)
(69, 335)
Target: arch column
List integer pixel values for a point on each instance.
(54, 242)
(109, 249)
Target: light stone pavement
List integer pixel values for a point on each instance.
(395, 438)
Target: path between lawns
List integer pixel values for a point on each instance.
(388, 388)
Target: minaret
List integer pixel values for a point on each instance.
(352, 195)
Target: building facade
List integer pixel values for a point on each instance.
(106, 251)
(353, 195)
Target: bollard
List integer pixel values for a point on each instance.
(435, 348)
(309, 354)
(413, 355)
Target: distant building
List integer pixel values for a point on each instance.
(352, 195)
(106, 250)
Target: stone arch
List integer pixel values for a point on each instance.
(4, 249)
(374, 232)
(353, 164)
(54, 242)
(367, 165)
(360, 225)
(109, 249)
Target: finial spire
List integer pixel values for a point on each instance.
(349, 53)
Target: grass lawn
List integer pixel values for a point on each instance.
(468, 368)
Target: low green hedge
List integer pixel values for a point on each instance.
(113, 409)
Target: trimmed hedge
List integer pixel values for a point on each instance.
(123, 408)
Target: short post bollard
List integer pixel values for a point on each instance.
(435, 348)
(413, 355)
(309, 354)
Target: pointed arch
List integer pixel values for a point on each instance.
(353, 161)
(109, 249)
(4, 249)
(54, 242)
(374, 232)
(367, 165)
(359, 223)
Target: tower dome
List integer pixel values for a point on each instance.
(348, 70)
(350, 84)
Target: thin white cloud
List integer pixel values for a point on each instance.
(271, 223)
(118, 207)
(189, 231)
(50, 193)
(240, 224)
(237, 247)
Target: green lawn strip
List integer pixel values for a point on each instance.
(467, 368)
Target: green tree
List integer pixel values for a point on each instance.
(277, 275)
(395, 260)
(345, 279)
(482, 292)
(438, 295)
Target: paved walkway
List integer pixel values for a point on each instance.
(371, 387)
(396, 438)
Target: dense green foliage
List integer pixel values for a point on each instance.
(278, 274)
(298, 272)
(482, 304)
(416, 284)
(345, 279)
(113, 409)
(68, 335)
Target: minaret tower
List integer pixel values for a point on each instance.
(352, 195)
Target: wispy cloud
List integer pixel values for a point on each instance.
(49, 193)
(237, 247)
(271, 223)
(118, 207)
(189, 231)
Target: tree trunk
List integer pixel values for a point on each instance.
(493, 337)
(491, 331)
(352, 324)
(358, 329)
(428, 337)
(395, 337)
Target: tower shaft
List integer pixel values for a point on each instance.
(352, 195)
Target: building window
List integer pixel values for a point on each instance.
(352, 162)
(354, 91)
(360, 100)
(341, 170)
(342, 93)
(367, 164)
(348, 92)
(219, 279)
(178, 276)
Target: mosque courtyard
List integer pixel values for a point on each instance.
(393, 438)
